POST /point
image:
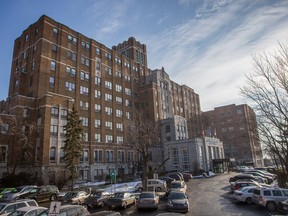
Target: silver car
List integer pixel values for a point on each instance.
(269, 197)
(244, 194)
(19, 191)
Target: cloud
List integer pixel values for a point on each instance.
(212, 54)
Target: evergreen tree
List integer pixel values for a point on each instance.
(73, 147)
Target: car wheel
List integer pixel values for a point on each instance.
(140, 189)
(270, 206)
(158, 189)
(53, 197)
(249, 200)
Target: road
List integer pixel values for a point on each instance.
(207, 197)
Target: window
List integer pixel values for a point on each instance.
(108, 110)
(85, 61)
(128, 103)
(84, 75)
(72, 39)
(54, 48)
(127, 91)
(119, 126)
(85, 45)
(53, 65)
(26, 37)
(108, 70)
(97, 94)
(109, 138)
(97, 123)
(119, 140)
(70, 86)
(98, 155)
(84, 105)
(33, 66)
(118, 88)
(108, 84)
(98, 51)
(52, 154)
(128, 115)
(84, 90)
(108, 56)
(97, 137)
(52, 81)
(109, 156)
(55, 31)
(84, 121)
(118, 74)
(108, 125)
(98, 65)
(121, 156)
(85, 137)
(97, 107)
(54, 111)
(54, 129)
(108, 97)
(98, 80)
(4, 128)
(127, 78)
(119, 113)
(118, 100)
(71, 71)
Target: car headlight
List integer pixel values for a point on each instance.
(170, 203)
(186, 204)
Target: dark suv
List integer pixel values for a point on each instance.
(43, 193)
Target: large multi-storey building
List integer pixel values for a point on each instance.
(236, 127)
(54, 67)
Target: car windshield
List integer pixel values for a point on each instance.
(146, 195)
(2, 206)
(177, 196)
(118, 195)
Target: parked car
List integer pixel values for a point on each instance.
(242, 177)
(244, 194)
(74, 197)
(186, 176)
(240, 184)
(263, 172)
(71, 210)
(153, 184)
(147, 200)
(167, 179)
(16, 194)
(176, 176)
(282, 207)
(6, 207)
(97, 199)
(27, 211)
(42, 193)
(268, 179)
(242, 168)
(6, 190)
(177, 186)
(178, 202)
(120, 200)
(269, 197)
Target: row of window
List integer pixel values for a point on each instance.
(98, 155)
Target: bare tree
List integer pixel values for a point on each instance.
(24, 131)
(267, 88)
(144, 135)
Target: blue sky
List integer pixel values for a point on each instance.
(207, 45)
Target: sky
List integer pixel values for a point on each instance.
(207, 45)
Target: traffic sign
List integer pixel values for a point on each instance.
(54, 208)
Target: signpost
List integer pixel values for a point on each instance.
(54, 208)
